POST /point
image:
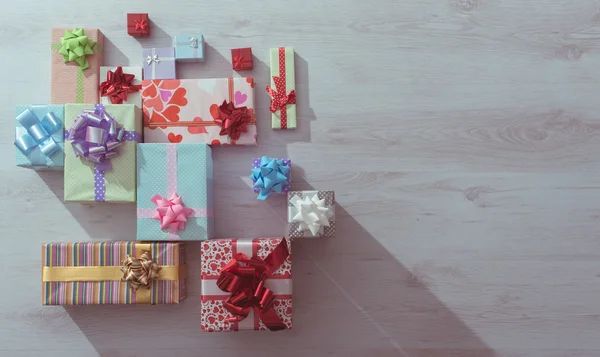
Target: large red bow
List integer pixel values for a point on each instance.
(141, 25)
(245, 279)
(278, 98)
(118, 85)
(233, 121)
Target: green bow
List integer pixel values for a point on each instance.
(75, 46)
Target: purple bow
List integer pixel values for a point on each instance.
(96, 136)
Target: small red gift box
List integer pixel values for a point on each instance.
(241, 58)
(246, 284)
(138, 25)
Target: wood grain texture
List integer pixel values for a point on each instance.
(461, 137)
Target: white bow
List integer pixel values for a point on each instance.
(194, 42)
(151, 59)
(312, 214)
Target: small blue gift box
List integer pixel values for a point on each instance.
(39, 136)
(189, 48)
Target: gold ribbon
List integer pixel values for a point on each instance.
(138, 272)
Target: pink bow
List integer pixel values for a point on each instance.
(171, 212)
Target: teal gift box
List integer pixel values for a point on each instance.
(39, 136)
(189, 48)
(174, 192)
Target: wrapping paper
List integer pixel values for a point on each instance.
(69, 83)
(215, 254)
(185, 169)
(282, 67)
(83, 182)
(138, 25)
(159, 63)
(107, 254)
(132, 98)
(189, 47)
(297, 229)
(36, 160)
(184, 110)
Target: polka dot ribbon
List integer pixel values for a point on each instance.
(279, 99)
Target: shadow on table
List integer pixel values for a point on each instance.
(102, 221)
(351, 298)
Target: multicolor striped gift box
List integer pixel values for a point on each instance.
(110, 254)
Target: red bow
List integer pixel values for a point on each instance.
(238, 61)
(233, 120)
(141, 25)
(118, 85)
(245, 279)
(278, 98)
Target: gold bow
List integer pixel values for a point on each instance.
(139, 271)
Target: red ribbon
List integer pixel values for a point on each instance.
(233, 121)
(278, 98)
(141, 25)
(245, 279)
(118, 85)
(238, 61)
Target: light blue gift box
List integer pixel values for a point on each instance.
(39, 136)
(189, 48)
(166, 169)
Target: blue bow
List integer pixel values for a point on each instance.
(38, 135)
(271, 176)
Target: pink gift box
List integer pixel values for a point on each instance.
(187, 110)
(216, 254)
(69, 83)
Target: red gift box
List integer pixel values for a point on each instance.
(241, 58)
(230, 268)
(138, 25)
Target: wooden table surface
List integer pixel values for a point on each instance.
(462, 138)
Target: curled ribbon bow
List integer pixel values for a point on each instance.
(238, 61)
(194, 42)
(118, 85)
(140, 271)
(96, 137)
(233, 121)
(171, 212)
(75, 46)
(272, 175)
(38, 135)
(245, 279)
(151, 59)
(311, 214)
(141, 25)
(278, 97)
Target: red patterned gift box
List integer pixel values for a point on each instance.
(246, 284)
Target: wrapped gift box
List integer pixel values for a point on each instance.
(189, 48)
(118, 84)
(159, 63)
(191, 111)
(271, 175)
(74, 82)
(138, 25)
(269, 258)
(311, 214)
(90, 182)
(175, 192)
(283, 88)
(91, 273)
(241, 59)
(39, 136)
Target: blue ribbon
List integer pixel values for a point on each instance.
(271, 176)
(38, 135)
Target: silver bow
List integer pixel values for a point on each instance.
(151, 59)
(194, 42)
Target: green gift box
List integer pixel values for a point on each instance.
(100, 152)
